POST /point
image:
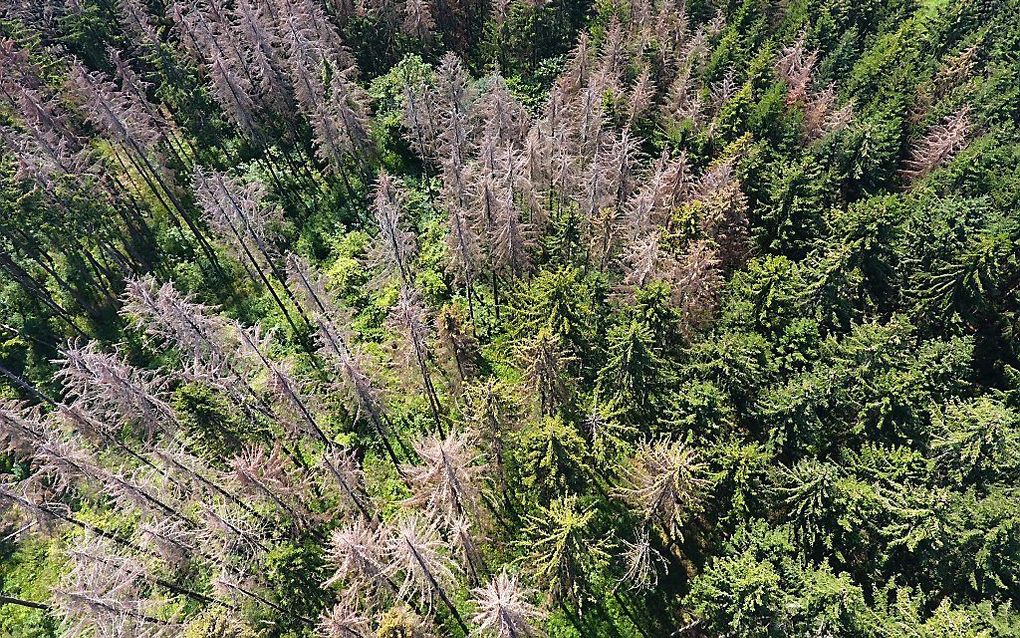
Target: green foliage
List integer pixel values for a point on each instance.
(563, 549)
(977, 441)
(28, 571)
(554, 458)
(840, 372)
(634, 379)
(209, 416)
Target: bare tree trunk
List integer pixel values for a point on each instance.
(10, 600)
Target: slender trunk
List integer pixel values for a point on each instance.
(430, 390)
(466, 261)
(259, 275)
(640, 626)
(270, 604)
(265, 252)
(38, 291)
(63, 284)
(438, 589)
(10, 600)
(495, 294)
(162, 193)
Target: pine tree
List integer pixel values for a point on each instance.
(796, 66)
(562, 549)
(426, 571)
(445, 483)
(344, 621)
(635, 376)
(666, 483)
(938, 145)
(396, 245)
(504, 610)
(642, 561)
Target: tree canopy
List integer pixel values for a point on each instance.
(421, 318)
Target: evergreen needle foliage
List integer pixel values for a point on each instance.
(509, 319)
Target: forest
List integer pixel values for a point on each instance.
(509, 318)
